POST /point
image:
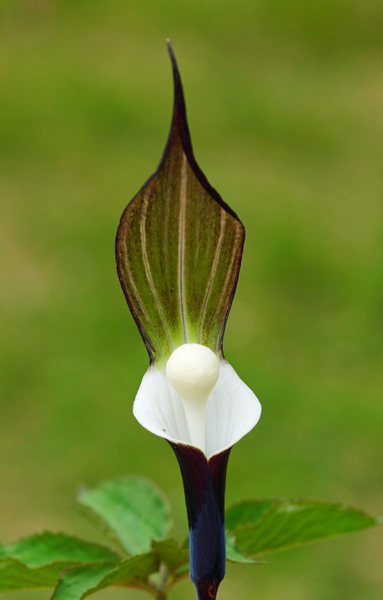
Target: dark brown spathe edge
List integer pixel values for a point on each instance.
(180, 120)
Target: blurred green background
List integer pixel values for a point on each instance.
(285, 108)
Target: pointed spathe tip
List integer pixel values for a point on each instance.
(171, 54)
(179, 110)
(180, 120)
(179, 96)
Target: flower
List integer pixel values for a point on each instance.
(178, 252)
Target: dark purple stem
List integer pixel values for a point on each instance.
(204, 486)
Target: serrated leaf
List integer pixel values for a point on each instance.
(171, 554)
(80, 582)
(16, 576)
(37, 561)
(179, 249)
(262, 526)
(130, 510)
(235, 554)
(44, 548)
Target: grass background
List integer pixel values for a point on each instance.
(285, 109)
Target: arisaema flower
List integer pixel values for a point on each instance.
(178, 250)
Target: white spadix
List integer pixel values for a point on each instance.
(193, 370)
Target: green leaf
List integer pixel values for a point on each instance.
(235, 554)
(16, 576)
(261, 526)
(179, 249)
(80, 582)
(247, 511)
(130, 510)
(44, 548)
(37, 561)
(171, 554)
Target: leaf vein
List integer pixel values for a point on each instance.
(181, 244)
(213, 270)
(145, 205)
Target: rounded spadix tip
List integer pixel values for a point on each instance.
(193, 370)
